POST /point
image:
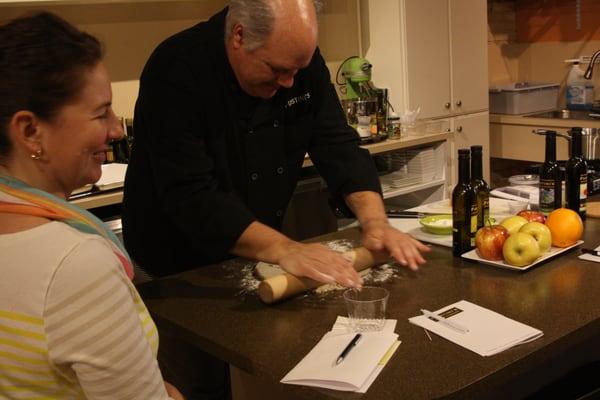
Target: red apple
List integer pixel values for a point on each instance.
(532, 216)
(489, 241)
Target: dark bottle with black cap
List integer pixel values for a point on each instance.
(576, 176)
(480, 186)
(550, 178)
(464, 208)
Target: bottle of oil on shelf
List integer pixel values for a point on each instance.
(576, 179)
(550, 178)
(464, 208)
(480, 186)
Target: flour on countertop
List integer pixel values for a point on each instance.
(249, 283)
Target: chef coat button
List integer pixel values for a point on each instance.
(254, 176)
(280, 170)
(275, 124)
(279, 213)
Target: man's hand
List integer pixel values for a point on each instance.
(319, 263)
(313, 261)
(379, 235)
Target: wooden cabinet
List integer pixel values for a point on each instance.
(470, 129)
(468, 56)
(427, 57)
(439, 48)
(432, 54)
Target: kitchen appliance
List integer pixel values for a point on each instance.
(366, 106)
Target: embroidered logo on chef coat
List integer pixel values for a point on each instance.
(298, 99)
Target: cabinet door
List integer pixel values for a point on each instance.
(427, 56)
(468, 28)
(471, 130)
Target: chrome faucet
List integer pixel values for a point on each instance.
(590, 68)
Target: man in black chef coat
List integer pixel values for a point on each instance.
(226, 112)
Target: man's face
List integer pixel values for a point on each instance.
(261, 72)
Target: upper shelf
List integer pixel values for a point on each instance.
(402, 143)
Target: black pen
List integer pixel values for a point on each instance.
(350, 346)
(590, 251)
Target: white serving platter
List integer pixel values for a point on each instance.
(553, 252)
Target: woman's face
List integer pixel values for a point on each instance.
(74, 143)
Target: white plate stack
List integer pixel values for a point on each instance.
(421, 161)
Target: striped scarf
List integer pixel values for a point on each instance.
(19, 198)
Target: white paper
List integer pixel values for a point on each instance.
(590, 257)
(113, 176)
(489, 332)
(342, 325)
(357, 371)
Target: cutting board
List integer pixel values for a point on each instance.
(413, 227)
(499, 209)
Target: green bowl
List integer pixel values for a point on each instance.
(437, 224)
(441, 224)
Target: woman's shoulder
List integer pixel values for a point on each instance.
(14, 223)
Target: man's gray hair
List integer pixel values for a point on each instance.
(256, 16)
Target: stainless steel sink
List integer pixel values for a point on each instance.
(566, 114)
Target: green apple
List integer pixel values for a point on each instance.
(513, 224)
(520, 249)
(540, 233)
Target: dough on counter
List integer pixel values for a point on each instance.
(265, 270)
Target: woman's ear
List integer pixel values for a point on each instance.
(24, 130)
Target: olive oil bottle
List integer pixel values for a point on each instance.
(550, 178)
(576, 176)
(464, 208)
(480, 186)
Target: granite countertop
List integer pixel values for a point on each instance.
(212, 308)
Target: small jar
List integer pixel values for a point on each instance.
(394, 130)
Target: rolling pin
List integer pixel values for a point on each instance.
(287, 285)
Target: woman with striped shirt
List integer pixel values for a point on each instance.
(72, 325)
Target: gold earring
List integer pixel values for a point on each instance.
(37, 155)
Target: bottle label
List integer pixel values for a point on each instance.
(486, 210)
(473, 229)
(576, 94)
(583, 192)
(547, 196)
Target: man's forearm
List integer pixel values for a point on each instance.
(261, 242)
(367, 206)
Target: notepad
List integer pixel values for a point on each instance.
(359, 369)
(488, 333)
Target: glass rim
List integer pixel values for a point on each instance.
(385, 294)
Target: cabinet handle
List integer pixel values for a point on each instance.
(459, 129)
(459, 103)
(447, 105)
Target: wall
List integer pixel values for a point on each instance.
(130, 31)
(530, 39)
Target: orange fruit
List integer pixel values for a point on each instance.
(565, 226)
